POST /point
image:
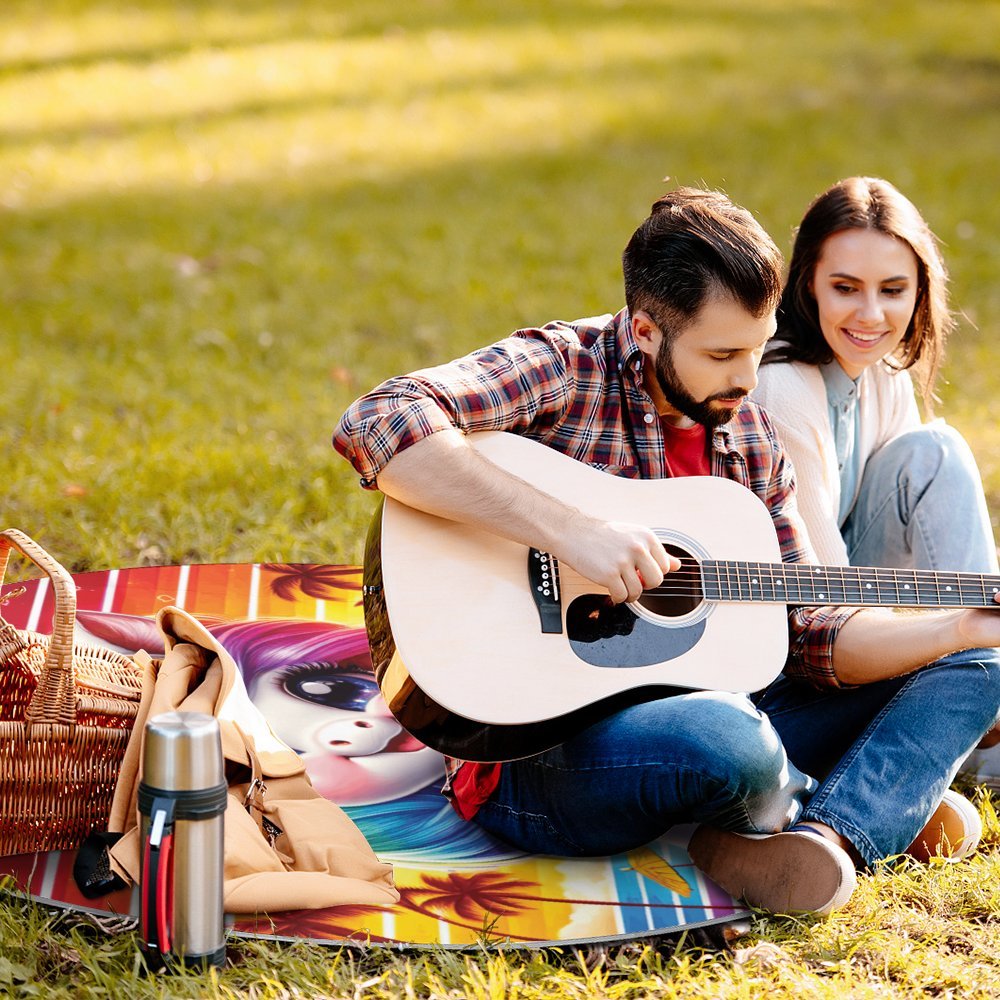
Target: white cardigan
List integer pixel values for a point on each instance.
(794, 395)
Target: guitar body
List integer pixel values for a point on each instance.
(458, 634)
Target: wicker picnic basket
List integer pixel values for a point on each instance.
(66, 712)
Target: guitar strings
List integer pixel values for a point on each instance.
(690, 581)
(834, 598)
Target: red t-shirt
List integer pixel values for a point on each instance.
(686, 455)
(686, 450)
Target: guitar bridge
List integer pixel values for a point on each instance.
(543, 578)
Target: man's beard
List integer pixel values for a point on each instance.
(680, 399)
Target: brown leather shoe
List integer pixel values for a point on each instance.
(782, 872)
(953, 832)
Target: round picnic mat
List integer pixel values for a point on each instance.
(297, 634)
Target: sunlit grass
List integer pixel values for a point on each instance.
(912, 932)
(364, 106)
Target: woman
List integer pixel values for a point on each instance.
(865, 304)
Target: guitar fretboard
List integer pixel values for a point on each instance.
(792, 583)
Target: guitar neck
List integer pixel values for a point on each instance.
(801, 583)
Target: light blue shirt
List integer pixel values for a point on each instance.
(842, 402)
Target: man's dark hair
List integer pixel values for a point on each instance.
(694, 244)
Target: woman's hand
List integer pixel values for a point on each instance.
(980, 627)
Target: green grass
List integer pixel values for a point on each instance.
(221, 221)
(910, 932)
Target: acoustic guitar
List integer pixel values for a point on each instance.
(489, 650)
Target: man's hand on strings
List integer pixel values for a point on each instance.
(624, 558)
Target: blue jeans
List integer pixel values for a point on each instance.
(884, 753)
(921, 506)
(706, 757)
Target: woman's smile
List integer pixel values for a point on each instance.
(865, 285)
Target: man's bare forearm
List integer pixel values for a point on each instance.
(444, 475)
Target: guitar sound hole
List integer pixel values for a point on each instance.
(680, 593)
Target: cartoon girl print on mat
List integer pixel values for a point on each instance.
(314, 683)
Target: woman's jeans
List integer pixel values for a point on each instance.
(886, 752)
(920, 505)
(872, 761)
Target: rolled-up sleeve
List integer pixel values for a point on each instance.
(515, 384)
(812, 632)
(382, 423)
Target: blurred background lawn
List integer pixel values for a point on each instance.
(222, 221)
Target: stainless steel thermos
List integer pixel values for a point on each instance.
(182, 801)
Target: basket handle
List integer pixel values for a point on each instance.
(54, 700)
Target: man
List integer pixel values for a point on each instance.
(853, 748)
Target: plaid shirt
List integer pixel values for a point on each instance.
(577, 387)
